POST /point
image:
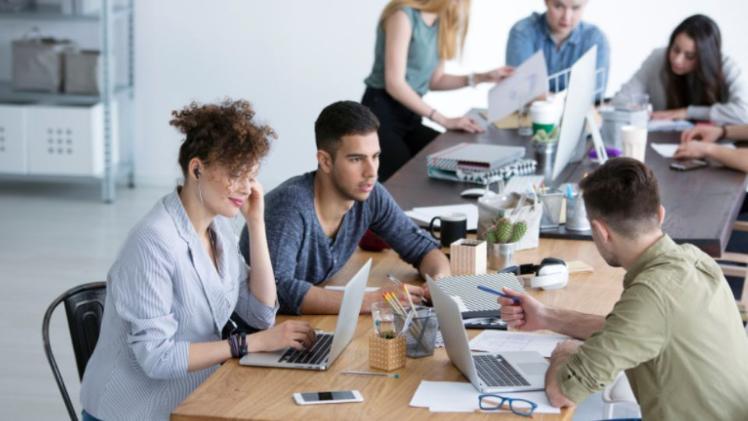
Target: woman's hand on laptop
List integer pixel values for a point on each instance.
(521, 311)
(291, 333)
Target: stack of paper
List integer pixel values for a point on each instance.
(497, 341)
(424, 215)
(463, 397)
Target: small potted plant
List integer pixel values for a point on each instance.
(545, 145)
(502, 238)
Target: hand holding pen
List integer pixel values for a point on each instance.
(519, 310)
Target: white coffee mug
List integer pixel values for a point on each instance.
(634, 142)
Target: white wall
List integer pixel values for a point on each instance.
(292, 57)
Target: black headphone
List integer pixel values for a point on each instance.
(197, 172)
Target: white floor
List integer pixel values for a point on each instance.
(54, 237)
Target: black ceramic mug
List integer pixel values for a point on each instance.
(452, 227)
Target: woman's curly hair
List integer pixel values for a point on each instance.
(223, 133)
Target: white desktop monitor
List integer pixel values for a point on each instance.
(580, 99)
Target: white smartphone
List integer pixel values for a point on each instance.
(316, 398)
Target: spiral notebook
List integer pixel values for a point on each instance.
(479, 163)
(475, 157)
(472, 301)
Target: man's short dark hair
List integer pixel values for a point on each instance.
(623, 192)
(342, 118)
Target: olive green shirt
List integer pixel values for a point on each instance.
(677, 333)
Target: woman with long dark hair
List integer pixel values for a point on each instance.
(691, 78)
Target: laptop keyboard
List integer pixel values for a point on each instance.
(497, 372)
(314, 355)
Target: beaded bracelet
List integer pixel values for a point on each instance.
(238, 344)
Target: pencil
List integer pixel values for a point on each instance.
(496, 292)
(372, 373)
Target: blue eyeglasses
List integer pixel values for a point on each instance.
(521, 407)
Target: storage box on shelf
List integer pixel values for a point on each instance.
(68, 140)
(13, 154)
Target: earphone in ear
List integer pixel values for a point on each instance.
(197, 172)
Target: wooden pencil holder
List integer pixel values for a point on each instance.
(467, 257)
(386, 354)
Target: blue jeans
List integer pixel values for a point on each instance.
(85, 416)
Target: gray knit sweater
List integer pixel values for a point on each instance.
(649, 79)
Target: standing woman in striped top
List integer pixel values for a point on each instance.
(179, 276)
(414, 39)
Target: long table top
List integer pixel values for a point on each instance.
(701, 206)
(242, 393)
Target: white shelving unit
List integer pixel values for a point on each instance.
(107, 166)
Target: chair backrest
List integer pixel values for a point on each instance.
(84, 306)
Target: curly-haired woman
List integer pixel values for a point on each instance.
(179, 276)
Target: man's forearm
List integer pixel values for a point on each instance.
(434, 264)
(573, 323)
(552, 389)
(321, 301)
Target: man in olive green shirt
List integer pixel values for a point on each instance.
(676, 330)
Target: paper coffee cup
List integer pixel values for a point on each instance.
(634, 142)
(544, 116)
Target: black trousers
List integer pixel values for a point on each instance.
(401, 134)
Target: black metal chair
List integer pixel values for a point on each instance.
(84, 306)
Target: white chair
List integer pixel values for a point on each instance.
(619, 395)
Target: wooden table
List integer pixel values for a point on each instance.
(701, 205)
(243, 393)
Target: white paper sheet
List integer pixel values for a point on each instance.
(667, 150)
(424, 215)
(463, 397)
(497, 341)
(529, 81)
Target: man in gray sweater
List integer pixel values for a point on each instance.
(315, 220)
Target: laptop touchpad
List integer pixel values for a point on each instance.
(533, 369)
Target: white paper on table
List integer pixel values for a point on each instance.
(426, 214)
(342, 288)
(667, 150)
(668, 125)
(497, 341)
(463, 397)
(529, 81)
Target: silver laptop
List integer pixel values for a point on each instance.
(328, 345)
(514, 371)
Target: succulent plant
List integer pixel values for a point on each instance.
(504, 231)
(519, 230)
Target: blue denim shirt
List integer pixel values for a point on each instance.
(532, 34)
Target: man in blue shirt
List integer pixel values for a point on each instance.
(563, 38)
(316, 220)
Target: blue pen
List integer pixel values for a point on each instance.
(569, 192)
(499, 293)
